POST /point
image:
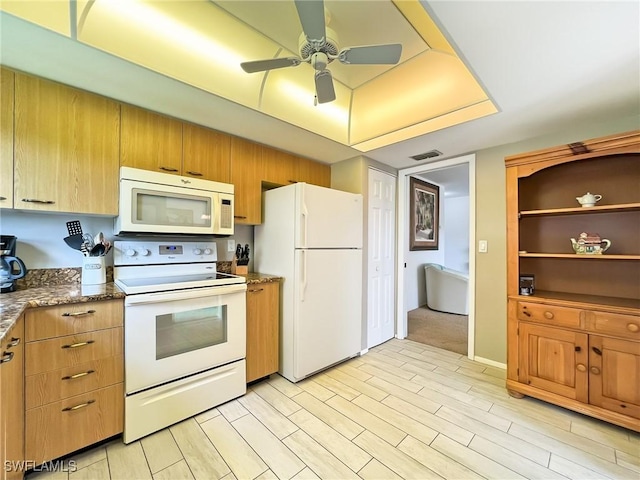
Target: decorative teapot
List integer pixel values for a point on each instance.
(588, 199)
(590, 244)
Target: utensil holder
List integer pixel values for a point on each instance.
(93, 271)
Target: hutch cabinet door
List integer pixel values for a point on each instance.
(555, 360)
(205, 153)
(614, 375)
(247, 172)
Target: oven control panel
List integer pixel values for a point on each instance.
(138, 252)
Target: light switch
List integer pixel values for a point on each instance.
(231, 245)
(482, 246)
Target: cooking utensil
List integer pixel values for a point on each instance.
(74, 241)
(99, 238)
(74, 227)
(97, 250)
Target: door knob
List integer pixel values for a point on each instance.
(595, 370)
(581, 367)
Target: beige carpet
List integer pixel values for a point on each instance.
(442, 330)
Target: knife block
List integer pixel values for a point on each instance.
(93, 271)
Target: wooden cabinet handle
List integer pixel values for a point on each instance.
(595, 370)
(78, 407)
(13, 343)
(255, 290)
(81, 344)
(35, 200)
(77, 314)
(581, 368)
(632, 327)
(78, 375)
(7, 357)
(239, 216)
(548, 315)
(195, 174)
(524, 312)
(168, 169)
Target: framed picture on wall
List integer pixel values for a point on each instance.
(424, 207)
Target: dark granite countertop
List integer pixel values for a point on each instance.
(255, 277)
(13, 304)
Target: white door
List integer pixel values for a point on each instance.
(327, 309)
(381, 257)
(328, 218)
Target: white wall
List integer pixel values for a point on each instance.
(456, 233)
(41, 244)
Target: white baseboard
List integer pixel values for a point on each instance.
(493, 363)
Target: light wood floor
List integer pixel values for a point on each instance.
(403, 410)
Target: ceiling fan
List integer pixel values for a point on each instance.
(319, 47)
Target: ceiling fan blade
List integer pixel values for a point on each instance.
(270, 64)
(311, 13)
(324, 87)
(371, 54)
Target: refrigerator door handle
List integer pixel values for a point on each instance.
(303, 275)
(305, 215)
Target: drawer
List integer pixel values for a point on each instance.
(549, 314)
(49, 322)
(56, 385)
(74, 423)
(620, 325)
(71, 350)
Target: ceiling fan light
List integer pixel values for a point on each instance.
(319, 61)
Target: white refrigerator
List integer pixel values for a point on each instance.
(312, 237)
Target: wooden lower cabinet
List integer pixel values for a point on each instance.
(74, 375)
(263, 329)
(12, 402)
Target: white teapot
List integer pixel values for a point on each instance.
(588, 199)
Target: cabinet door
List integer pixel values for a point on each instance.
(315, 173)
(66, 149)
(6, 138)
(205, 153)
(554, 360)
(150, 141)
(247, 171)
(12, 400)
(279, 167)
(614, 375)
(263, 316)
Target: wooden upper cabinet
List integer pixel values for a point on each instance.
(66, 149)
(315, 173)
(6, 137)
(150, 141)
(279, 167)
(247, 172)
(205, 153)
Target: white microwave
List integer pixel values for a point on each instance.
(161, 203)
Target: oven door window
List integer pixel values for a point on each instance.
(182, 332)
(163, 208)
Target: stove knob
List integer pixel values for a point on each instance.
(130, 252)
(207, 251)
(197, 251)
(144, 252)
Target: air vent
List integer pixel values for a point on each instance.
(425, 155)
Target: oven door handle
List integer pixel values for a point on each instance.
(188, 294)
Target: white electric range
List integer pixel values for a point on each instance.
(184, 329)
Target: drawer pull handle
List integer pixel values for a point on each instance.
(78, 375)
(256, 290)
(596, 350)
(239, 217)
(632, 327)
(169, 169)
(77, 314)
(581, 368)
(548, 315)
(524, 312)
(14, 342)
(595, 370)
(195, 174)
(78, 407)
(3, 198)
(7, 357)
(35, 200)
(81, 344)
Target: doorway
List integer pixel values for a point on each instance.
(406, 283)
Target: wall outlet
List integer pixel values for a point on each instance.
(231, 245)
(482, 246)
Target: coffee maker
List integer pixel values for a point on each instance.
(11, 267)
